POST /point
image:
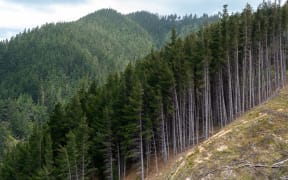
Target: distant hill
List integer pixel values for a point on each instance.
(49, 63)
(159, 27)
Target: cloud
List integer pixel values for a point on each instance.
(43, 2)
(21, 14)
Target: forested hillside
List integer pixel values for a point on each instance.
(54, 58)
(168, 102)
(48, 64)
(160, 27)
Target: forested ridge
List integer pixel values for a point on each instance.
(159, 27)
(164, 104)
(45, 65)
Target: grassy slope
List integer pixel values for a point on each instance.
(248, 148)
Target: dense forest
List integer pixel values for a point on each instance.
(162, 105)
(45, 65)
(55, 57)
(159, 27)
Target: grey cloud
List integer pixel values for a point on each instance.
(42, 2)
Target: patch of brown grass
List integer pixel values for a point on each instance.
(258, 137)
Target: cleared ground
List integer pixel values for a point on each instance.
(255, 146)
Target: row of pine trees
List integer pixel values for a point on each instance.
(163, 105)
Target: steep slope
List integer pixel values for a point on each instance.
(45, 65)
(121, 39)
(48, 62)
(174, 98)
(255, 146)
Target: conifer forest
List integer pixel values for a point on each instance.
(174, 97)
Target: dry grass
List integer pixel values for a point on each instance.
(245, 149)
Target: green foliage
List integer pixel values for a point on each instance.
(98, 132)
(17, 118)
(50, 63)
(159, 27)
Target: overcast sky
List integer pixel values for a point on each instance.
(16, 15)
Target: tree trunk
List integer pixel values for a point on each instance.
(141, 148)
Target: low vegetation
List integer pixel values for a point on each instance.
(254, 146)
